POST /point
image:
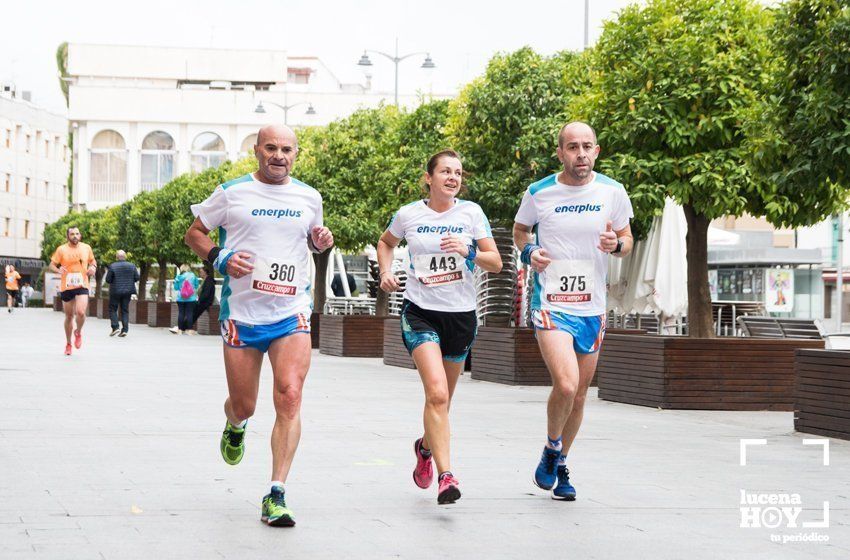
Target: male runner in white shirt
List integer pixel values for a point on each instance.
(577, 218)
(268, 224)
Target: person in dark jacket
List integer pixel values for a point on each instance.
(206, 297)
(121, 277)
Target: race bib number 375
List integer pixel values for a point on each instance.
(276, 277)
(569, 281)
(439, 269)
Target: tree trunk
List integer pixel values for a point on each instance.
(699, 297)
(320, 289)
(160, 283)
(382, 302)
(144, 269)
(98, 281)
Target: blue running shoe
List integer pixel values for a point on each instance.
(564, 490)
(545, 476)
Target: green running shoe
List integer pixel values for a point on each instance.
(232, 444)
(275, 512)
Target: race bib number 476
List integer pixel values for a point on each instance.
(569, 281)
(439, 269)
(276, 277)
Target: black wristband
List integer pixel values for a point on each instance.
(619, 247)
(213, 254)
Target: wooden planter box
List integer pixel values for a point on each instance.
(822, 393)
(92, 309)
(57, 303)
(139, 312)
(395, 354)
(159, 313)
(360, 336)
(511, 356)
(315, 320)
(208, 321)
(508, 355)
(700, 373)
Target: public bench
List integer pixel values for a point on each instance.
(781, 327)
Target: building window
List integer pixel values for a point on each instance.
(298, 75)
(46, 148)
(26, 229)
(248, 146)
(8, 183)
(157, 160)
(108, 167)
(207, 151)
(28, 142)
(64, 192)
(8, 138)
(27, 186)
(7, 229)
(46, 189)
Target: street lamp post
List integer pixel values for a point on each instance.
(426, 64)
(286, 108)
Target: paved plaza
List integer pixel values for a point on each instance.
(113, 453)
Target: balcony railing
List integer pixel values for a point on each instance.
(108, 191)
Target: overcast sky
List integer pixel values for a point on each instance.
(461, 36)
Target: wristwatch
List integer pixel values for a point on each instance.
(619, 246)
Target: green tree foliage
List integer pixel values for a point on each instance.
(505, 124)
(673, 83)
(805, 147)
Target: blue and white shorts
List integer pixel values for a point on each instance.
(240, 335)
(587, 332)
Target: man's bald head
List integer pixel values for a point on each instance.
(575, 128)
(276, 150)
(120, 255)
(276, 131)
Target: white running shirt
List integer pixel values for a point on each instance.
(568, 222)
(273, 223)
(436, 280)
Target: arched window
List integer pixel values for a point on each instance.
(108, 167)
(157, 160)
(207, 151)
(248, 146)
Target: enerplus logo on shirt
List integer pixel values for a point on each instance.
(442, 230)
(578, 208)
(277, 213)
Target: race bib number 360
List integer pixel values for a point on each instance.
(569, 281)
(276, 277)
(439, 269)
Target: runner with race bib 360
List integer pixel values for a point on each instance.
(446, 238)
(268, 223)
(578, 217)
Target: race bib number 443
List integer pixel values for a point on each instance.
(569, 281)
(439, 269)
(276, 277)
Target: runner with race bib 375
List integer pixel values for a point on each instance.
(446, 239)
(578, 217)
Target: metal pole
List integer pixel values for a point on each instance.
(586, 23)
(396, 60)
(839, 272)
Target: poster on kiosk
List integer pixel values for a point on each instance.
(779, 290)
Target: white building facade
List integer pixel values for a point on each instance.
(34, 167)
(143, 115)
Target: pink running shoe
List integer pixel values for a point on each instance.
(67, 349)
(449, 490)
(423, 474)
(78, 339)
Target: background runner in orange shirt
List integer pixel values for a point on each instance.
(75, 261)
(12, 287)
